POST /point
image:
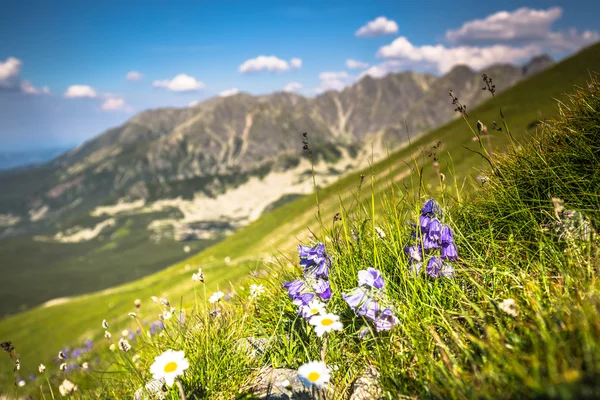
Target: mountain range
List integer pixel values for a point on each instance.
(227, 159)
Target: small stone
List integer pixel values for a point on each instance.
(367, 386)
(279, 384)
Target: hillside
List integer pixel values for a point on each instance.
(125, 204)
(64, 323)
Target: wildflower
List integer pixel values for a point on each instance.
(326, 323)
(314, 373)
(17, 364)
(107, 334)
(386, 320)
(85, 366)
(215, 312)
(125, 332)
(430, 208)
(303, 299)
(446, 235)
(63, 367)
(112, 347)
(355, 297)
(105, 324)
(322, 289)
(314, 260)
(20, 382)
(256, 290)
(166, 315)
(165, 302)
(42, 368)
(216, 296)
(61, 355)
(124, 345)
(67, 387)
(313, 308)
(198, 276)
(434, 230)
(370, 278)
(449, 252)
(133, 315)
(137, 303)
(414, 252)
(154, 299)
(436, 268)
(294, 287)
(187, 249)
(169, 365)
(509, 306)
(380, 232)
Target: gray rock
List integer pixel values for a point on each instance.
(367, 386)
(279, 384)
(154, 390)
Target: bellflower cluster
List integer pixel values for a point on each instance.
(315, 281)
(368, 300)
(435, 246)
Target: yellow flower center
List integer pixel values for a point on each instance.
(326, 322)
(314, 310)
(313, 376)
(170, 367)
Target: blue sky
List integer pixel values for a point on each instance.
(64, 65)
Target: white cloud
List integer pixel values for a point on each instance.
(383, 69)
(229, 92)
(355, 64)
(443, 58)
(334, 81)
(75, 91)
(194, 103)
(45, 90)
(180, 83)
(523, 26)
(9, 73)
(134, 76)
(296, 63)
(292, 87)
(268, 63)
(379, 26)
(115, 104)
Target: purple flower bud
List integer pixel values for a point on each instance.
(294, 287)
(386, 320)
(434, 266)
(314, 260)
(322, 288)
(434, 229)
(370, 277)
(429, 243)
(430, 207)
(424, 221)
(449, 252)
(446, 235)
(303, 299)
(355, 297)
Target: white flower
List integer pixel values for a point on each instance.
(198, 276)
(169, 365)
(509, 306)
(138, 303)
(112, 347)
(166, 314)
(165, 302)
(380, 232)
(313, 308)
(17, 364)
(124, 345)
(256, 290)
(314, 373)
(154, 299)
(125, 332)
(104, 324)
(326, 323)
(42, 368)
(21, 383)
(63, 367)
(187, 249)
(61, 355)
(107, 334)
(85, 366)
(216, 296)
(133, 315)
(67, 387)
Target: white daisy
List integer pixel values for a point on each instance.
(107, 334)
(42, 368)
(380, 232)
(67, 387)
(314, 373)
(63, 367)
(21, 383)
(216, 296)
(166, 315)
(125, 332)
(124, 345)
(104, 324)
(313, 308)
(326, 323)
(256, 290)
(199, 276)
(154, 299)
(169, 365)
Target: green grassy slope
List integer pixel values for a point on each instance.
(39, 333)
